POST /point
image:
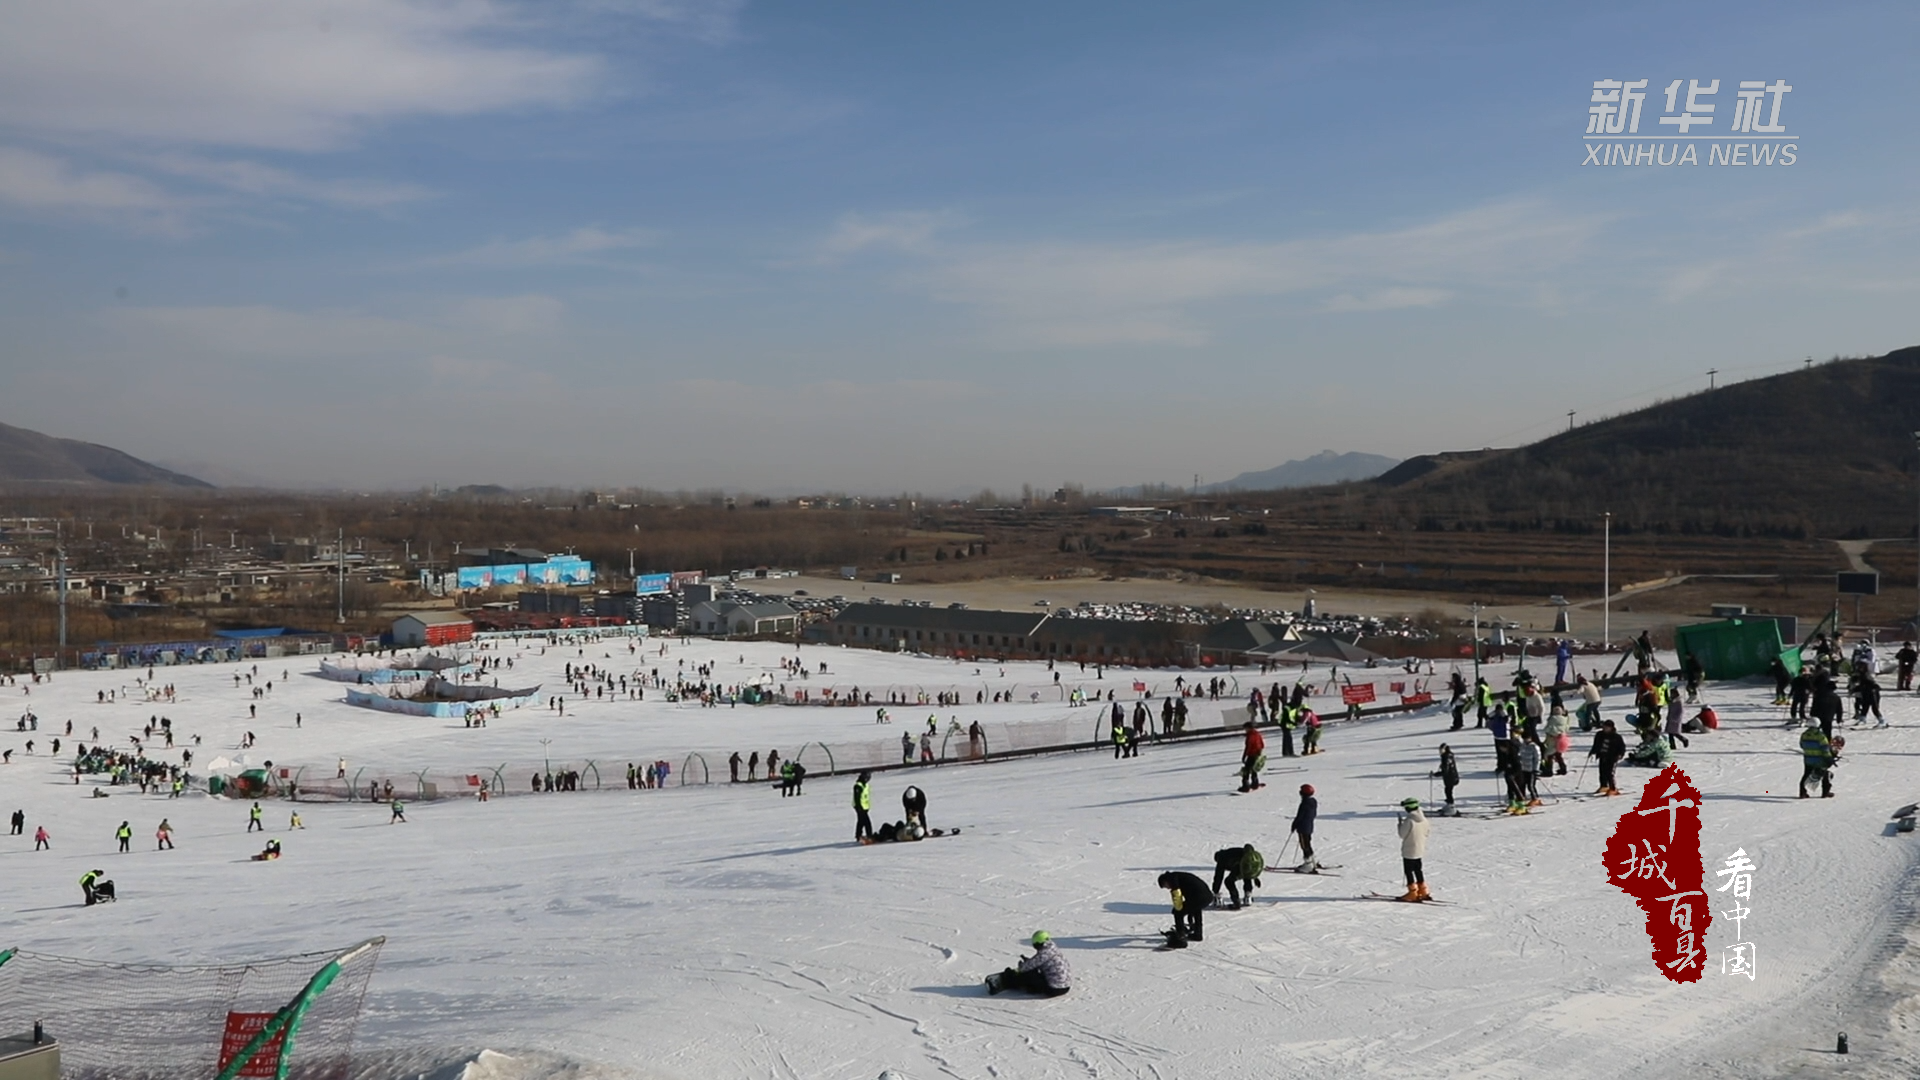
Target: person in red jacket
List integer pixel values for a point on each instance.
(1253, 758)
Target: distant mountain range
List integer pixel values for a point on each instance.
(1325, 467)
(28, 457)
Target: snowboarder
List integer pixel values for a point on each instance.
(914, 802)
(1449, 774)
(862, 803)
(1303, 828)
(1253, 758)
(1412, 827)
(253, 819)
(1817, 751)
(1609, 748)
(1240, 867)
(1045, 972)
(1190, 897)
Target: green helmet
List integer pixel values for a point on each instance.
(1410, 804)
(1041, 937)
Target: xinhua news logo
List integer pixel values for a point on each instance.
(1756, 136)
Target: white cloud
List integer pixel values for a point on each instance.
(265, 181)
(905, 230)
(577, 246)
(43, 183)
(302, 76)
(1090, 294)
(1387, 300)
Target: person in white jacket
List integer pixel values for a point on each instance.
(1413, 848)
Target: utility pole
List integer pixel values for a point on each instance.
(340, 589)
(1606, 582)
(60, 557)
(1711, 372)
(1476, 643)
(1570, 415)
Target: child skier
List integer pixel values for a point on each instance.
(1449, 774)
(1253, 758)
(1303, 828)
(1412, 827)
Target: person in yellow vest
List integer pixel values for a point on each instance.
(253, 819)
(124, 834)
(862, 803)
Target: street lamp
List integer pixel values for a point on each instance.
(545, 756)
(1476, 642)
(630, 552)
(1606, 581)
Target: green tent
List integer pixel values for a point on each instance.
(1732, 648)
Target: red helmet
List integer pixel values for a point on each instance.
(1306, 789)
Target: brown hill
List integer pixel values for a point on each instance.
(1826, 451)
(28, 457)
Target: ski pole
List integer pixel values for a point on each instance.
(1581, 783)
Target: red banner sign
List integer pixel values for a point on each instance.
(1356, 693)
(1424, 697)
(241, 1028)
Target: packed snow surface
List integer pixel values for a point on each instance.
(723, 931)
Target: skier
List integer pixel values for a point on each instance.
(862, 802)
(1303, 828)
(753, 766)
(399, 812)
(1118, 731)
(906, 748)
(41, 840)
(253, 819)
(1190, 897)
(1609, 747)
(914, 802)
(1526, 775)
(1412, 827)
(926, 748)
(1449, 774)
(1826, 704)
(733, 768)
(1557, 741)
(1676, 712)
(1240, 868)
(124, 834)
(1589, 705)
(19, 822)
(1253, 758)
(1818, 753)
(163, 836)
(1310, 743)
(1562, 661)
(1045, 972)
(1906, 658)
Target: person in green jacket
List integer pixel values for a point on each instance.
(863, 802)
(399, 812)
(1818, 754)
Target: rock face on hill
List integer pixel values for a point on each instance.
(1325, 467)
(28, 457)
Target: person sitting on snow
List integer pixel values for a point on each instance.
(1045, 972)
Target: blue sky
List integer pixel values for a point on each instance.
(884, 247)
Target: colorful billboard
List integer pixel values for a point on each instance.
(649, 584)
(559, 570)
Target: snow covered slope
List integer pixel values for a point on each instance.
(723, 931)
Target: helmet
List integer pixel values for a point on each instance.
(1410, 804)
(1041, 937)
(1306, 789)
